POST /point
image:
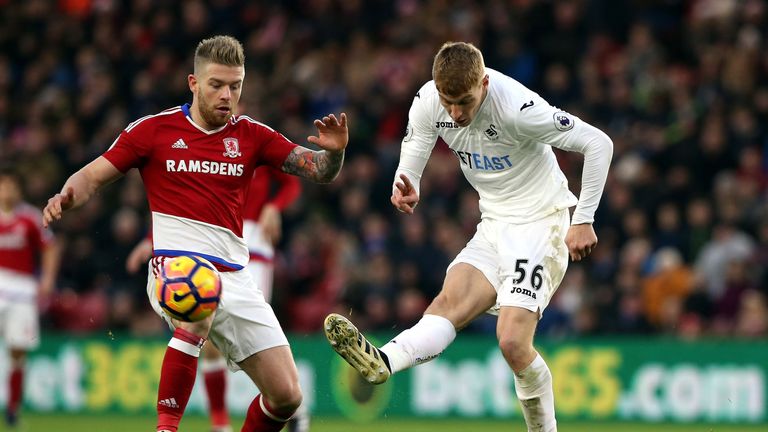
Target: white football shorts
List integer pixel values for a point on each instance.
(19, 317)
(244, 324)
(525, 263)
(261, 254)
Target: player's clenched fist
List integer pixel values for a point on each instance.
(57, 204)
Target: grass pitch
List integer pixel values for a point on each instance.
(124, 423)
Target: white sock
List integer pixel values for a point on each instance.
(420, 343)
(533, 386)
(211, 365)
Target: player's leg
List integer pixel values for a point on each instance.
(179, 369)
(261, 267)
(21, 332)
(466, 294)
(274, 373)
(214, 368)
(247, 332)
(301, 419)
(533, 260)
(533, 380)
(15, 385)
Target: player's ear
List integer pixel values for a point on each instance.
(192, 81)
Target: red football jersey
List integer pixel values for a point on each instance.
(270, 186)
(22, 237)
(196, 180)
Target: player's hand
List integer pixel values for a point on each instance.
(580, 240)
(404, 196)
(57, 205)
(138, 256)
(332, 133)
(271, 223)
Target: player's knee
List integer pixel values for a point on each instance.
(199, 328)
(445, 306)
(286, 399)
(514, 347)
(18, 358)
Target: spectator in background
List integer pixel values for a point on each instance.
(664, 290)
(29, 263)
(679, 86)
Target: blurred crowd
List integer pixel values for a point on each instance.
(681, 86)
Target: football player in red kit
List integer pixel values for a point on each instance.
(196, 162)
(23, 244)
(270, 192)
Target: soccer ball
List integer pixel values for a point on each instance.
(188, 288)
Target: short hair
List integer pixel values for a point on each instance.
(224, 50)
(10, 173)
(458, 67)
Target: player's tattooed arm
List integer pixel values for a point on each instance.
(318, 166)
(321, 166)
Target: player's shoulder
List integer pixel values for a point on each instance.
(427, 92)
(29, 213)
(426, 100)
(151, 121)
(245, 121)
(510, 94)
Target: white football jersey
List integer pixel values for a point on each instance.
(506, 153)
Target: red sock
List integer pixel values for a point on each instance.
(216, 388)
(15, 387)
(261, 418)
(177, 377)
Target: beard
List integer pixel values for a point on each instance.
(211, 116)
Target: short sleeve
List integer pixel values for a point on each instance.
(126, 151)
(275, 147)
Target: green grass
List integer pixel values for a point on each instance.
(124, 423)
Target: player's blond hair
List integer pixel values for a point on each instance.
(224, 50)
(458, 67)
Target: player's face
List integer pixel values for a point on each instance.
(10, 193)
(463, 108)
(216, 92)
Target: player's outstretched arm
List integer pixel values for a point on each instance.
(321, 166)
(79, 188)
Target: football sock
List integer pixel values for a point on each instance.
(262, 418)
(177, 377)
(215, 375)
(420, 343)
(15, 387)
(300, 420)
(533, 386)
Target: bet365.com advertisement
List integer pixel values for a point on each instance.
(642, 379)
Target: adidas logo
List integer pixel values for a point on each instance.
(180, 144)
(171, 402)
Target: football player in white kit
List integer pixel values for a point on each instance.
(502, 134)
